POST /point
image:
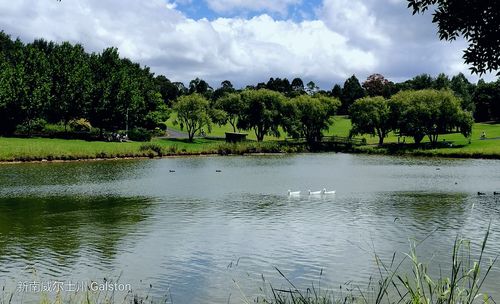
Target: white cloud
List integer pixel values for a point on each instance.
(275, 6)
(354, 19)
(348, 37)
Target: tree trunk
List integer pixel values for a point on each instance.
(381, 136)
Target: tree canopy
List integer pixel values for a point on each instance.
(429, 113)
(193, 113)
(371, 115)
(261, 112)
(475, 20)
(311, 115)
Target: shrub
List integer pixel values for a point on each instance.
(152, 148)
(36, 125)
(139, 134)
(80, 125)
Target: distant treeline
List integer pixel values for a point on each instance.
(46, 82)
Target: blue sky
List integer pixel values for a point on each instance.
(247, 41)
(296, 10)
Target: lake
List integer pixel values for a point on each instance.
(201, 236)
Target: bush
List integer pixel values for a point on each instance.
(152, 148)
(80, 125)
(139, 134)
(36, 125)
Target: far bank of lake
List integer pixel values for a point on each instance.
(46, 149)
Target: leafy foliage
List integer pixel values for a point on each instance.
(371, 115)
(193, 113)
(310, 116)
(351, 91)
(231, 106)
(61, 82)
(475, 20)
(261, 112)
(429, 113)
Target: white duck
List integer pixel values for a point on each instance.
(327, 192)
(293, 193)
(315, 192)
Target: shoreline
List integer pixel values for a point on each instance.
(420, 154)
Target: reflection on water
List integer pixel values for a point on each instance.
(194, 231)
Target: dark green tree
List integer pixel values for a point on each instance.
(429, 113)
(200, 86)
(231, 105)
(193, 113)
(298, 86)
(71, 78)
(168, 90)
(475, 20)
(226, 87)
(311, 116)
(463, 88)
(371, 115)
(441, 82)
(311, 88)
(336, 91)
(351, 91)
(262, 112)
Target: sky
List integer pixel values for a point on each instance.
(247, 41)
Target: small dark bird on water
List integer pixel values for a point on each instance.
(481, 193)
(218, 171)
(171, 171)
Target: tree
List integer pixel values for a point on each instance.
(421, 82)
(487, 101)
(231, 105)
(351, 92)
(377, 85)
(441, 82)
(462, 89)
(336, 91)
(429, 113)
(311, 116)
(371, 115)
(225, 87)
(34, 93)
(298, 86)
(168, 90)
(279, 85)
(475, 20)
(200, 86)
(193, 113)
(311, 88)
(262, 112)
(71, 83)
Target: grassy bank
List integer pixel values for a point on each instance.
(37, 149)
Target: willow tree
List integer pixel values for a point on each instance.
(371, 115)
(429, 113)
(262, 112)
(193, 113)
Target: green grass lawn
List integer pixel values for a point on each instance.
(220, 131)
(46, 148)
(43, 148)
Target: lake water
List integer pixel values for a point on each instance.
(201, 236)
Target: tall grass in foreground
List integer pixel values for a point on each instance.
(462, 285)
